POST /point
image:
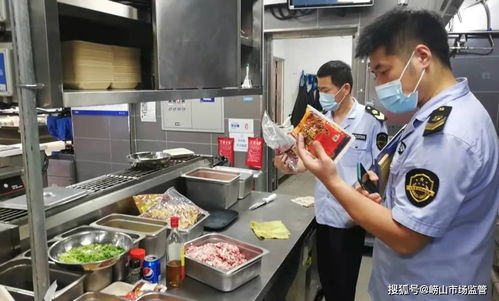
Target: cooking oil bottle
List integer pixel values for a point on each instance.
(175, 271)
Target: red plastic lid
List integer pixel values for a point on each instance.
(174, 221)
(137, 254)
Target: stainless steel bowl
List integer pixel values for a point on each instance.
(149, 158)
(86, 238)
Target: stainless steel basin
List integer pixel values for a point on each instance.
(160, 297)
(16, 275)
(94, 296)
(132, 226)
(96, 280)
(119, 269)
(155, 231)
(27, 254)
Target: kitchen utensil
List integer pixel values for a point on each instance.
(160, 297)
(50, 294)
(52, 197)
(95, 296)
(149, 159)
(155, 231)
(119, 269)
(219, 219)
(212, 189)
(264, 201)
(86, 238)
(17, 274)
(221, 279)
(246, 179)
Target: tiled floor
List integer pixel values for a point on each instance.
(303, 185)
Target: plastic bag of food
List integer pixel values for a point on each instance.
(173, 203)
(278, 140)
(314, 126)
(146, 201)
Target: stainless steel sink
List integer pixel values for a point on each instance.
(16, 275)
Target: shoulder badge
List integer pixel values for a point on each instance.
(421, 186)
(381, 140)
(377, 114)
(437, 120)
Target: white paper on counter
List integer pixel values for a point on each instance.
(148, 111)
(240, 141)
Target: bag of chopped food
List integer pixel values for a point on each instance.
(277, 139)
(146, 201)
(314, 126)
(173, 203)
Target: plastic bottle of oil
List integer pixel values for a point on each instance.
(175, 271)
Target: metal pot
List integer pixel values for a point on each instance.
(149, 159)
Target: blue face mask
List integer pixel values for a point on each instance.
(392, 96)
(328, 101)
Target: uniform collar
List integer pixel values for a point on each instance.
(355, 110)
(354, 113)
(450, 94)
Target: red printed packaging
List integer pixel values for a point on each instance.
(314, 126)
(226, 148)
(254, 156)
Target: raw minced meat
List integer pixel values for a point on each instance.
(221, 255)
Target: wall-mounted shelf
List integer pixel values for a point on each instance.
(203, 63)
(92, 98)
(91, 9)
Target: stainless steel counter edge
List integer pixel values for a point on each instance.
(297, 219)
(89, 205)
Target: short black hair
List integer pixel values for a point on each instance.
(400, 30)
(339, 72)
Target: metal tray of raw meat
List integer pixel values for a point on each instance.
(225, 280)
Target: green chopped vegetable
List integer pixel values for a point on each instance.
(90, 253)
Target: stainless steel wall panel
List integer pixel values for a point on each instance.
(197, 43)
(47, 53)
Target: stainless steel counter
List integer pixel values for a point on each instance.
(106, 200)
(296, 218)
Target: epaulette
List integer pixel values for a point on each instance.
(437, 120)
(377, 114)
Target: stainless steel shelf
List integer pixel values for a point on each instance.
(475, 32)
(105, 7)
(92, 98)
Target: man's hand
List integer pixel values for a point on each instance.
(281, 162)
(375, 197)
(321, 166)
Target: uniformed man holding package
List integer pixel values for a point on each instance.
(340, 241)
(435, 228)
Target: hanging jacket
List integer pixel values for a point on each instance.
(301, 101)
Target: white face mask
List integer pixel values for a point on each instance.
(392, 97)
(329, 101)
